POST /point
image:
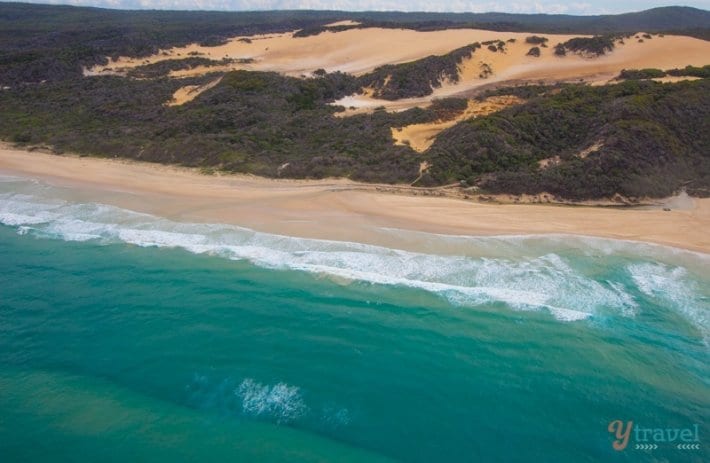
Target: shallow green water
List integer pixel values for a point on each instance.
(124, 337)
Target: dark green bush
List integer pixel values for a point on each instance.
(416, 78)
(652, 138)
(691, 71)
(534, 51)
(597, 45)
(536, 40)
(641, 73)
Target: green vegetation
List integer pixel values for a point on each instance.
(495, 45)
(525, 92)
(648, 73)
(251, 122)
(536, 40)
(596, 46)
(417, 78)
(688, 71)
(317, 30)
(636, 138)
(163, 68)
(534, 51)
(691, 71)
(52, 43)
(447, 108)
(560, 50)
(652, 139)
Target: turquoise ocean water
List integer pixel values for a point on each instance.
(127, 337)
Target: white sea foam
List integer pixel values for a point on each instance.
(515, 245)
(669, 286)
(521, 279)
(280, 402)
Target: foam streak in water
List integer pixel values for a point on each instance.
(527, 281)
(281, 401)
(669, 286)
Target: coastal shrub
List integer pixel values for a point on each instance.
(317, 30)
(651, 138)
(688, 71)
(163, 68)
(448, 108)
(213, 41)
(649, 73)
(51, 43)
(536, 40)
(21, 137)
(596, 46)
(525, 91)
(691, 71)
(416, 78)
(251, 122)
(256, 122)
(495, 45)
(534, 51)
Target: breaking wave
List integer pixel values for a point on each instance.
(555, 281)
(669, 286)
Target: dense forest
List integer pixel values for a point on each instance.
(636, 138)
(256, 122)
(651, 139)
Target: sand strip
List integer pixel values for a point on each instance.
(339, 209)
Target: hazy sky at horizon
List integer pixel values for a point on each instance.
(583, 7)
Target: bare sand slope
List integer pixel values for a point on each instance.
(515, 66)
(190, 92)
(358, 51)
(340, 209)
(421, 136)
(345, 22)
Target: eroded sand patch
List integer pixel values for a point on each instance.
(190, 92)
(421, 136)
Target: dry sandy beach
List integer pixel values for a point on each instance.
(340, 209)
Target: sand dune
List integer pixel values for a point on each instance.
(359, 51)
(515, 66)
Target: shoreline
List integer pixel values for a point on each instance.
(343, 210)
